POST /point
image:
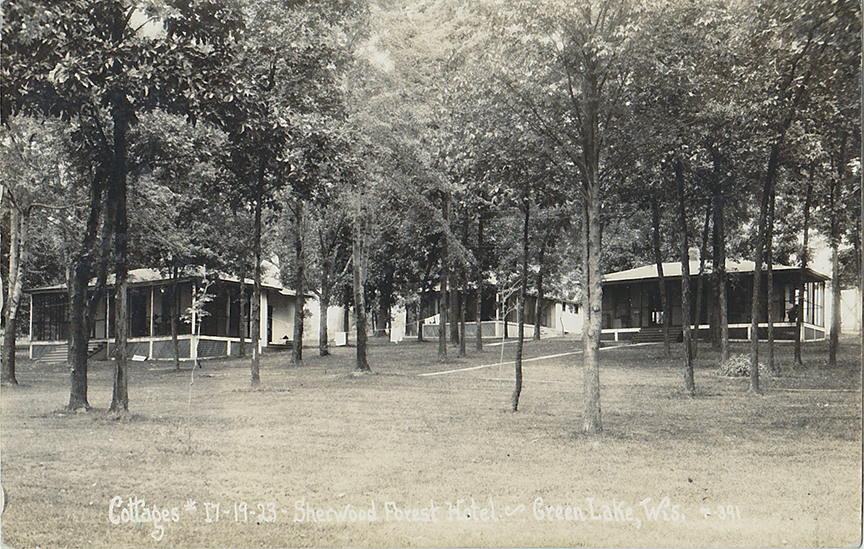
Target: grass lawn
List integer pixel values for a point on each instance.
(725, 468)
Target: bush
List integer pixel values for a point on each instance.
(739, 366)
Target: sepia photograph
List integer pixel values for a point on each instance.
(431, 273)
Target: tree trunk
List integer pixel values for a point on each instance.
(323, 336)
(385, 296)
(443, 307)
(593, 307)
(117, 198)
(834, 335)
(538, 305)
(455, 305)
(805, 256)
(442, 296)
(689, 383)
(297, 347)
(661, 281)
(420, 317)
(255, 311)
(173, 314)
(835, 200)
(18, 247)
(504, 313)
(463, 351)
(720, 316)
(79, 337)
(701, 283)
(719, 260)
(385, 303)
(379, 321)
(455, 302)
(520, 307)
(9, 351)
(756, 303)
(361, 364)
(2, 290)
(479, 302)
(244, 303)
(769, 286)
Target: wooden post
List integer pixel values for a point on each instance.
(262, 323)
(227, 312)
(108, 323)
(152, 311)
(31, 326)
(193, 342)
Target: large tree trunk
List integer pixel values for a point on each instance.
(117, 198)
(18, 247)
(79, 336)
(361, 364)
(592, 304)
(689, 383)
(479, 302)
(297, 347)
(703, 251)
(520, 307)
(805, 256)
(661, 281)
(592, 254)
(756, 303)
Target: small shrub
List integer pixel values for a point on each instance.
(739, 366)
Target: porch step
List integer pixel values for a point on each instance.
(56, 356)
(95, 347)
(287, 345)
(60, 354)
(654, 335)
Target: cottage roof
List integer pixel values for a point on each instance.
(143, 277)
(673, 270)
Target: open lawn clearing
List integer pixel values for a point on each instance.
(785, 468)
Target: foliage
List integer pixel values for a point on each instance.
(739, 366)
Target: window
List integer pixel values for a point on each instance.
(814, 303)
(50, 317)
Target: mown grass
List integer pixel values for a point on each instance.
(787, 464)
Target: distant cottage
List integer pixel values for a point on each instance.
(632, 311)
(149, 317)
(558, 315)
